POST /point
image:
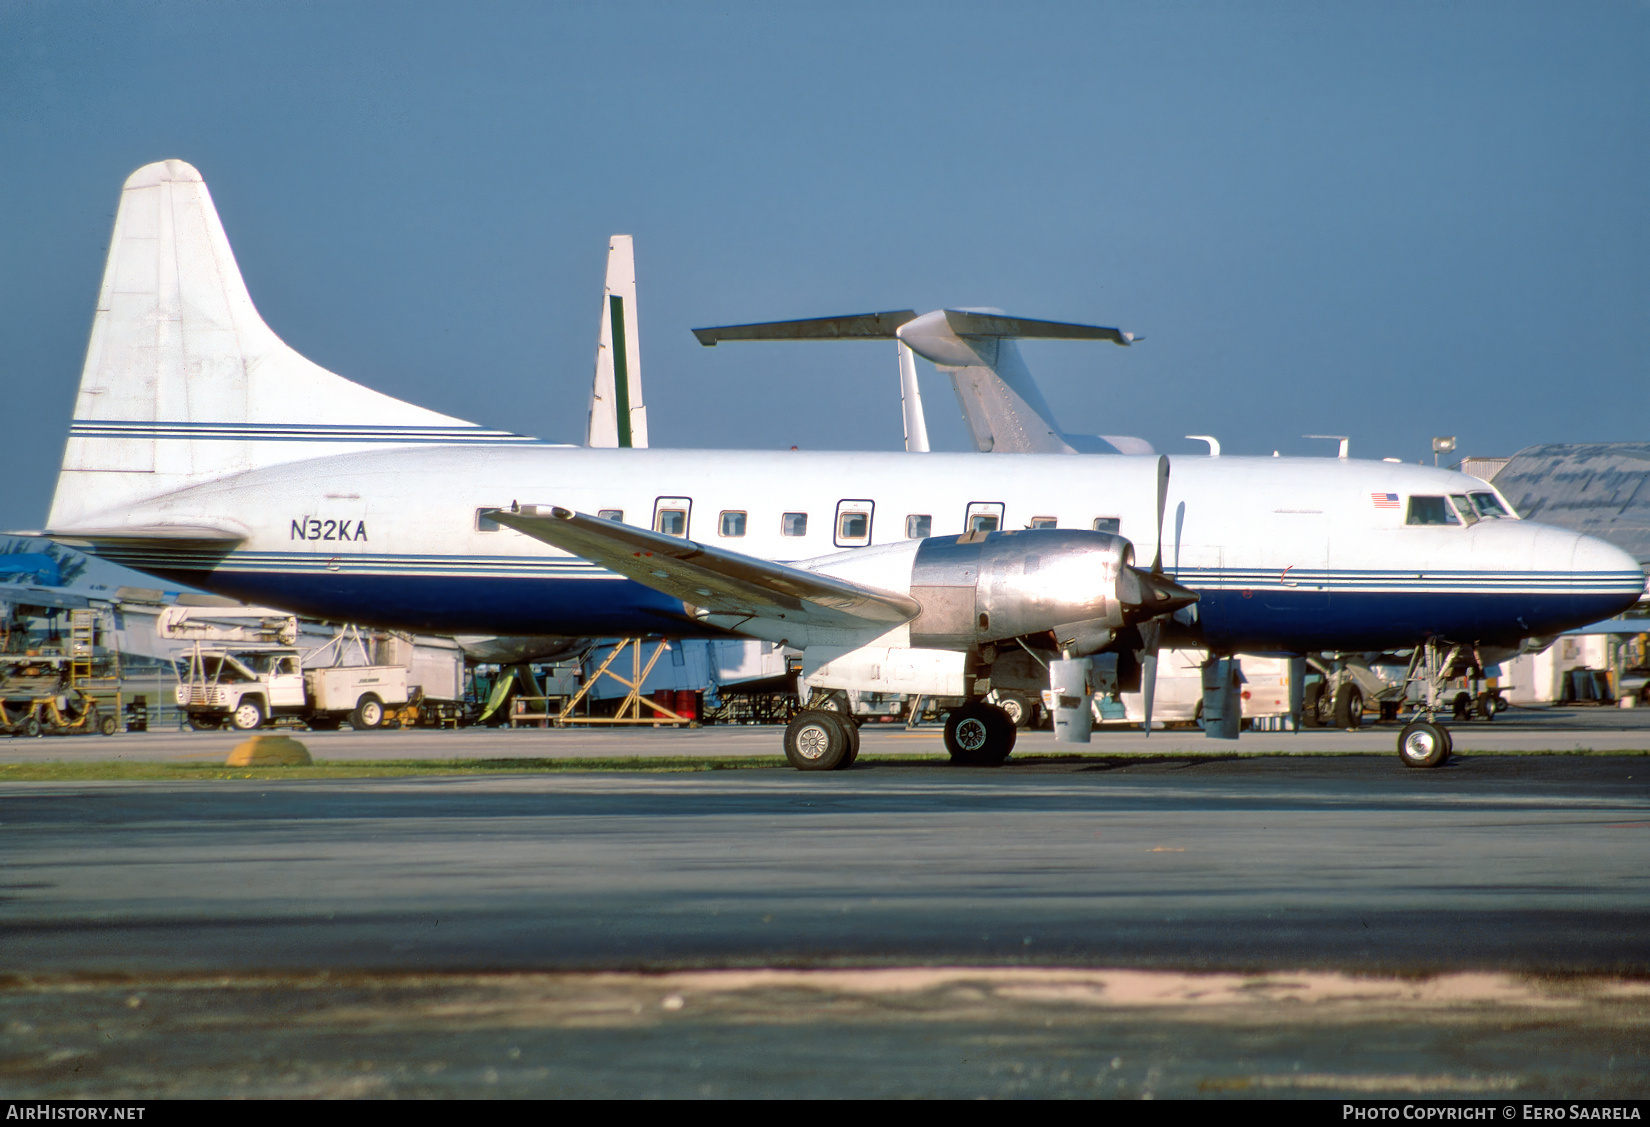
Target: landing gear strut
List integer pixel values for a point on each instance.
(979, 735)
(1424, 742)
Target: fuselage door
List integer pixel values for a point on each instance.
(670, 515)
(853, 523)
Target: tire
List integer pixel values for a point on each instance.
(1461, 707)
(836, 702)
(816, 740)
(979, 735)
(851, 730)
(1502, 703)
(1349, 708)
(1485, 706)
(107, 725)
(368, 714)
(30, 726)
(1008, 732)
(1016, 707)
(1423, 744)
(1310, 695)
(248, 715)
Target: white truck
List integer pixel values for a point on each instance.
(246, 687)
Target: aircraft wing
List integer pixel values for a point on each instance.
(712, 579)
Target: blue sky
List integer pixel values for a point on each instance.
(1385, 220)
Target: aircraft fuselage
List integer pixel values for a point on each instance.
(1287, 554)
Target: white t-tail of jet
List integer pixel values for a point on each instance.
(1004, 408)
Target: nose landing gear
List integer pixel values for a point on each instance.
(1424, 742)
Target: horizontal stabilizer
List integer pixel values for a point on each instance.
(712, 579)
(1004, 408)
(175, 535)
(855, 326)
(885, 326)
(970, 324)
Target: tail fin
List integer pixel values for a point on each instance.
(1001, 403)
(618, 417)
(184, 382)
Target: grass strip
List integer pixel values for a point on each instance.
(117, 770)
(370, 769)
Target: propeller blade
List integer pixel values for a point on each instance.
(1151, 633)
(1162, 503)
(1158, 597)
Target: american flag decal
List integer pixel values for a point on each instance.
(1384, 500)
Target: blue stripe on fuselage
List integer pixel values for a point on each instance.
(462, 605)
(1286, 619)
(1304, 621)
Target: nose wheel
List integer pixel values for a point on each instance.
(1424, 743)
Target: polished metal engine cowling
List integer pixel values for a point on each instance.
(984, 587)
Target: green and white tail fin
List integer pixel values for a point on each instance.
(618, 417)
(185, 383)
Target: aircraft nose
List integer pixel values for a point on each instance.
(1592, 554)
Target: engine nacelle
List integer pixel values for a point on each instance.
(980, 588)
(988, 587)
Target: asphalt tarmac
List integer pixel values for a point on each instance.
(307, 926)
(1519, 863)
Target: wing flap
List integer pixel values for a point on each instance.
(711, 579)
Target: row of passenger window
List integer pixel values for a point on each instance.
(853, 521)
(853, 518)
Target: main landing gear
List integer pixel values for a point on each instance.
(819, 739)
(979, 735)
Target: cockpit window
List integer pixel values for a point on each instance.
(1431, 510)
(1489, 506)
(1464, 507)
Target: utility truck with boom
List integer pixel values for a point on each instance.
(247, 676)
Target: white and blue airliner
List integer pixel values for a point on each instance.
(204, 450)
